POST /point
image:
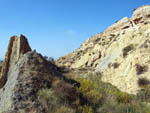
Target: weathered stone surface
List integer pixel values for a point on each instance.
(25, 73)
(121, 24)
(110, 44)
(31, 73)
(124, 76)
(141, 15)
(17, 47)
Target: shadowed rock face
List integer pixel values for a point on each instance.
(1, 62)
(17, 48)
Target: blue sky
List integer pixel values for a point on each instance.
(57, 27)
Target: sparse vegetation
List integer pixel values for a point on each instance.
(115, 65)
(48, 98)
(140, 69)
(87, 109)
(93, 96)
(144, 94)
(64, 109)
(127, 49)
(123, 97)
(143, 82)
(114, 101)
(49, 59)
(65, 91)
(88, 89)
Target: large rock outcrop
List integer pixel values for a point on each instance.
(117, 51)
(17, 48)
(24, 73)
(141, 15)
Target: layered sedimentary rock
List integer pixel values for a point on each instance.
(125, 44)
(141, 15)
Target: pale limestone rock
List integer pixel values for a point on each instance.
(141, 15)
(111, 43)
(125, 77)
(141, 11)
(122, 24)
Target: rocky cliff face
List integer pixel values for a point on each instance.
(16, 49)
(118, 52)
(23, 74)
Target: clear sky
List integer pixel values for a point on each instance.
(57, 27)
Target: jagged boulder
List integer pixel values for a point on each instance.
(17, 48)
(24, 73)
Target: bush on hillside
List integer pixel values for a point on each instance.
(140, 69)
(92, 96)
(123, 97)
(64, 109)
(88, 89)
(134, 107)
(127, 49)
(47, 97)
(115, 65)
(87, 109)
(144, 94)
(143, 82)
(65, 91)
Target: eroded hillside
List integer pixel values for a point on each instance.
(85, 81)
(118, 52)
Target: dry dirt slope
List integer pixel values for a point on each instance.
(119, 52)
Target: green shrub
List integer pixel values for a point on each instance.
(140, 69)
(87, 109)
(64, 109)
(48, 99)
(115, 65)
(114, 107)
(123, 97)
(48, 95)
(143, 82)
(144, 94)
(65, 91)
(85, 85)
(93, 96)
(127, 49)
(90, 92)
